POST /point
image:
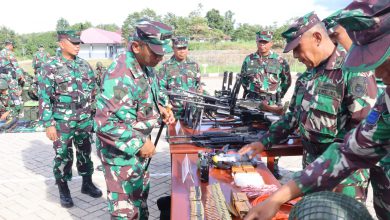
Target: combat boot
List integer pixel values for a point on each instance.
(65, 198)
(89, 188)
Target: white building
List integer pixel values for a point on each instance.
(100, 44)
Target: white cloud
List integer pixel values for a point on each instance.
(28, 16)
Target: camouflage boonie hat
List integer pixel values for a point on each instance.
(264, 36)
(331, 21)
(368, 25)
(180, 42)
(156, 34)
(3, 84)
(295, 31)
(71, 35)
(99, 64)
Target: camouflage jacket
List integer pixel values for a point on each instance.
(184, 75)
(266, 74)
(9, 103)
(66, 90)
(99, 74)
(363, 147)
(327, 102)
(39, 59)
(8, 60)
(126, 110)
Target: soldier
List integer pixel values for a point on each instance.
(364, 146)
(128, 108)
(40, 57)
(340, 36)
(179, 72)
(330, 103)
(266, 75)
(100, 69)
(67, 87)
(336, 32)
(11, 69)
(9, 105)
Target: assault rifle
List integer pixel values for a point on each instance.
(211, 134)
(216, 142)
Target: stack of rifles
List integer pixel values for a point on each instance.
(240, 121)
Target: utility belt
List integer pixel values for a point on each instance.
(72, 106)
(314, 148)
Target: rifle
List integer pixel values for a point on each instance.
(7, 124)
(210, 134)
(217, 142)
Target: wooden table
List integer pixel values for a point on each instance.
(292, 147)
(180, 205)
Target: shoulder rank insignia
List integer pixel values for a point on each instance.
(373, 117)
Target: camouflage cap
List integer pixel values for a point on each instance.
(264, 36)
(332, 21)
(9, 41)
(99, 64)
(156, 34)
(368, 25)
(180, 42)
(71, 35)
(3, 84)
(295, 31)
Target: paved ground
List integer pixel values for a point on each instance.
(27, 189)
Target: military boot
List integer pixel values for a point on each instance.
(89, 188)
(65, 198)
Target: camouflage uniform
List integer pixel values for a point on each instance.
(127, 111)
(66, 91)
(100, 69)
(327, 103)
(10, 70)
(8, 102)
(369, 143)
(40, 57)
(179, 74)
(265, 77)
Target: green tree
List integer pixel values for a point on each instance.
(108, 27)
(129, 24)
(80, 26)
(172, 20)
(228, 24)
(62, 24)
(246, 32)
(214, 19)
(6, 34)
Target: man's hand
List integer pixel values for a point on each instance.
(267, 209)
(4, 116)
(148, 149)
(51, 133)
(252, 148)
(167, 115)
(263, 211)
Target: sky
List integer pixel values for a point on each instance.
(28, 16)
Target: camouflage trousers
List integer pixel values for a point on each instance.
(69, 133)
(380, 181)
(127, 190)
(355, 186)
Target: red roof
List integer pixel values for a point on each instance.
(99, 36)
